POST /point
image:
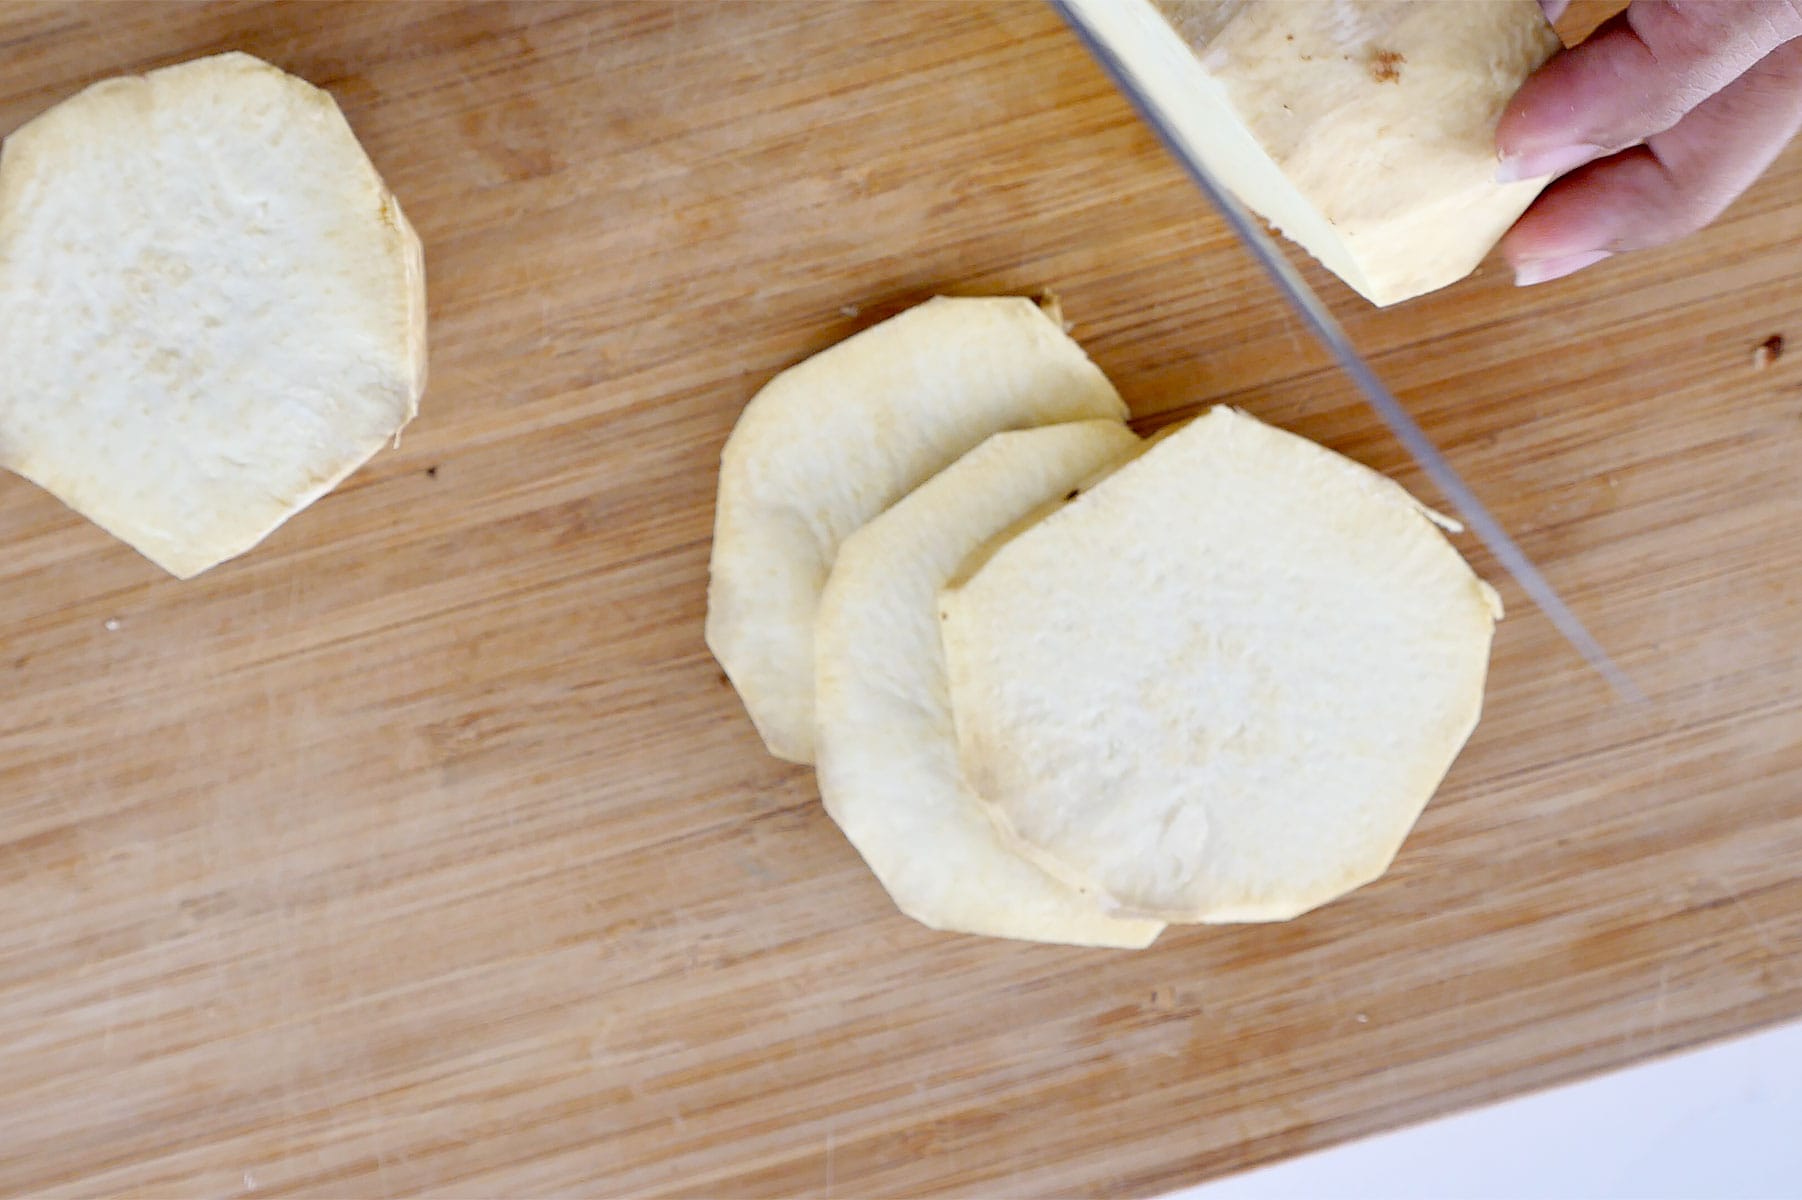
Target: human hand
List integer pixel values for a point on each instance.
(1661, 119)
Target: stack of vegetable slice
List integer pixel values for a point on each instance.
(1065, 685)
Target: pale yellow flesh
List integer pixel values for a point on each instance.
(1221, 684)
(834, 441)
(886, 744)
(1363, 129)
(211, 308)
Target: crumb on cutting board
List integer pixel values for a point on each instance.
(1767, 352)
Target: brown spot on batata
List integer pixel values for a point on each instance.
(1385, 66)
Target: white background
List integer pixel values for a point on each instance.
(1720, 1123)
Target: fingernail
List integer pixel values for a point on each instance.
(1537, 163)
(1547, 269)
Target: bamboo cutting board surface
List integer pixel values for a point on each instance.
(424, 850)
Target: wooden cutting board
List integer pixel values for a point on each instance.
(425, 851)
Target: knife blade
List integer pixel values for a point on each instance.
(1320, 322)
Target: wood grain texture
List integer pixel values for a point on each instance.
(423, 851)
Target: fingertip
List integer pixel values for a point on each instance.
(1576, 215)
(1509, 129)
(1551, 160)
(1541, 111)
(1544, 270)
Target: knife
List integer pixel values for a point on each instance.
(1320, 323)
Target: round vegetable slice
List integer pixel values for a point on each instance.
(835, 440)
(887, 748)
(211, 308)
(1222, 684)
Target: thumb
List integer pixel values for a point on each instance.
(1636, 76)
